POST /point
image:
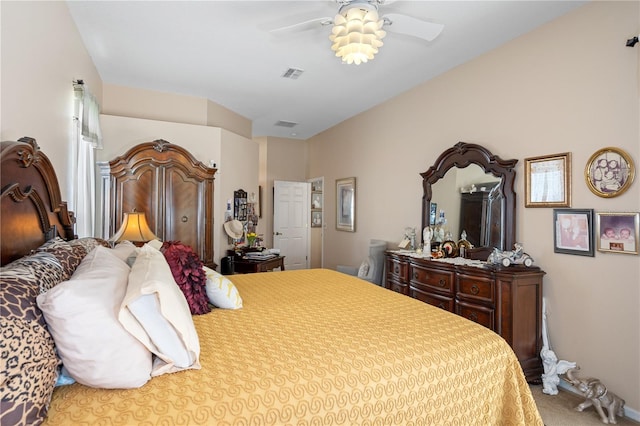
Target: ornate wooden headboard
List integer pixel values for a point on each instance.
(172, 188)
(30, 204)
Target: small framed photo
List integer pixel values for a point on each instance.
(547, 180)
(573, 231)
(346, 204)
(316, 200)
(618, 232)
(609, 172)
(316, 219)
(433, 213)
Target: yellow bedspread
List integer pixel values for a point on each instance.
(319, 347)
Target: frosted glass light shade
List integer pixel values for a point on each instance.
(134, 228)
(357, 33)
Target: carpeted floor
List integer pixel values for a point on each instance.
(559, 410)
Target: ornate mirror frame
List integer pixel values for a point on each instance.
(463, 154)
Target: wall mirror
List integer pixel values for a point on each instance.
(469, 175)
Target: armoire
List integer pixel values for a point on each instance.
(172, 188)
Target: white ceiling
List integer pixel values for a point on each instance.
(223, 51)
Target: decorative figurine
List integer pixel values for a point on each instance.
(510, 257)
(427, 234)
(598, 396)
(552, 367)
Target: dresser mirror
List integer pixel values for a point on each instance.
(469, 175)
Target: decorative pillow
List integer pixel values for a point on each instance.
(18, 291)
(62, 250)
(28, 361)
(186, 268)
(81, 314)
(221, 291)
(28, 369)
(45, 268)
(163, 321)
(365, 268)
(88, 243)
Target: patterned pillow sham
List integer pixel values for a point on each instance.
(186, 268)
(68, 256)
(28, 361)
(46, 269)
(28, 371)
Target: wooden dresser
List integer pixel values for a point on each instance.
(506, 300)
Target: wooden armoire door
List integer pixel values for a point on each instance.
(172, 188)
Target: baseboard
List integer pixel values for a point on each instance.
(628, 412)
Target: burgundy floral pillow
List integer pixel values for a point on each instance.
(186, 268)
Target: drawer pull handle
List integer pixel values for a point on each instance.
(442, 282)
(415, 275)
(441, 305)
(396, 269)
(473, 317)
(184, 218)
(475, 289)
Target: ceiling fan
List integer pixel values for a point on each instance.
(358, 28)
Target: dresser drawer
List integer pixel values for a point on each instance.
(431, 279)
(476, 288)
(436, 300)
(477, 313)
(397, 286)
(397, 269)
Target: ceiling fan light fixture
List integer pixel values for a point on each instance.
(357, 32)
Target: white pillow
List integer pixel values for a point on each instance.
(221, 291)
(81, 314)
(163, 321)
(124, 250)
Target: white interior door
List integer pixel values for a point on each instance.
(291, 222)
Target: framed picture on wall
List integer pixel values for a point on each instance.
(573, 231)
(346, 204)
(316, 219)
(547, 180)
(609, 172)
(617, 232)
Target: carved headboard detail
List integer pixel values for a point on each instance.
(32, 210)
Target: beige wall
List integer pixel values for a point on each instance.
(149, 104)
(571, 85)
(281, 159)
(42, 54)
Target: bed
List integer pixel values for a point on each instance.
(307, 347)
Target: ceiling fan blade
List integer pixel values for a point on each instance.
(403, 24)
(311, 24)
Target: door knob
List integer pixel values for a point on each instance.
(278, 233)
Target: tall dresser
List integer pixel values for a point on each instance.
(172, 188)
(508, 300)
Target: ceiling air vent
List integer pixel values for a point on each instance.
(292, 73)
(289, 124)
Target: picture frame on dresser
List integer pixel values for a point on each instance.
(573, 232)
(618, 232)
(346, 204)
(548, 180)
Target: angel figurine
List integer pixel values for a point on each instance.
(552, 366)
(427, 234)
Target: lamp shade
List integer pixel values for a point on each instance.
(134, 228)
(357, 33)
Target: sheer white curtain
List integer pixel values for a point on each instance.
(87, 137)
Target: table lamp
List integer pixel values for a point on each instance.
(134, 228)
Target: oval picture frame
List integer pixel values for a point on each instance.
(609, 172)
